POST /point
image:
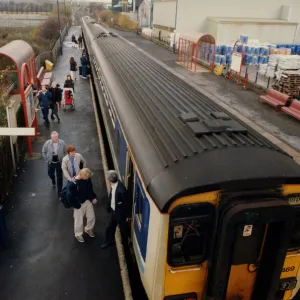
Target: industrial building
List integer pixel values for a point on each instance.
(226, 20)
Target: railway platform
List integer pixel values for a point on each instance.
(244, 102)
(43, 260)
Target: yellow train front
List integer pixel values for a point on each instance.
(215, 205)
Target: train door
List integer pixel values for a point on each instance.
(130, 183)
(251, 243)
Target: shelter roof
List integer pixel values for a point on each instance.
(19, 51)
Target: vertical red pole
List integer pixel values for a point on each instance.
(24, 103)
(197, 51)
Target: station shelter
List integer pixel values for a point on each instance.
(17, 76)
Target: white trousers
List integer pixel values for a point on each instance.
(87, 210)
(73, 75)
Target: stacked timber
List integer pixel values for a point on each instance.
(289, 83)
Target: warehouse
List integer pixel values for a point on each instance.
(225, 20)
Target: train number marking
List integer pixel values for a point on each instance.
(288, 269)
(247, 230)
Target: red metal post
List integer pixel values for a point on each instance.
(25, 66)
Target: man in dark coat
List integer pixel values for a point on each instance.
(45, 100)
(119, 209)
(84, 64)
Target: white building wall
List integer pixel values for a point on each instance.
(164, 13)
(192, 14)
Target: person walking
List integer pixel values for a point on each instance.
(69, 83)
(84, 64)
(119, 209)
(80, 42)
(45, 100)
(72, 163)
(81, 198)
(56, 92)
(73, 68)
(53, 152)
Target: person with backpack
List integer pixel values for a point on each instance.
(72, 163)
(81, 197)
(84, 64)
(56, 92)
(73, 68)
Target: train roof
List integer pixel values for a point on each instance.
(183, 142)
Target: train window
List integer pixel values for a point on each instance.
(295, 236)
(139, 203)
(189, 233)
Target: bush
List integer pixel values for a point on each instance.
(105, 16)
(125, 23)
(49, 28)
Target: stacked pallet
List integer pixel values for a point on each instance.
(289, 83)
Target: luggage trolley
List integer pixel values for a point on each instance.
(68, 98)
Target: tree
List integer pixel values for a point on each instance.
(49, 28)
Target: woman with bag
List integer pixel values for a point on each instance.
(73, 68)
(72, 163)
(81, 198)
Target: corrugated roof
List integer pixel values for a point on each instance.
(18, 50)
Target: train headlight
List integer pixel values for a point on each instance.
(190, 296)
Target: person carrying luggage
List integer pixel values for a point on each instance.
(69, 83)
(81, 197)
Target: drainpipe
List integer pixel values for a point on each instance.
(175, 30)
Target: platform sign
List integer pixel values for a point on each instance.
(236, 62)
(30, 105)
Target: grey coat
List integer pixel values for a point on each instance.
(67, 166)
(47, 150)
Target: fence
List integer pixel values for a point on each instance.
(53, 54)
(163, 41)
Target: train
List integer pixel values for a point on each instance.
(216, 206)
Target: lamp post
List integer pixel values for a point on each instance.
(58, 20)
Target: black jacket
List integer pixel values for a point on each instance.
(73, 65)
(80, 191)
(69, 84)
(56, 94)
(84, 60)
(122, 203)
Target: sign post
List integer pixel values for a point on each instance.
(237, 60)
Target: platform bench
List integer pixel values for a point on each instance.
(275, 98)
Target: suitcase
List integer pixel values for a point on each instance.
(80, 70)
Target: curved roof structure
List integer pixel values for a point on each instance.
(19, 51)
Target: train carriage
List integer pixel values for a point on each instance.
(215, 205)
